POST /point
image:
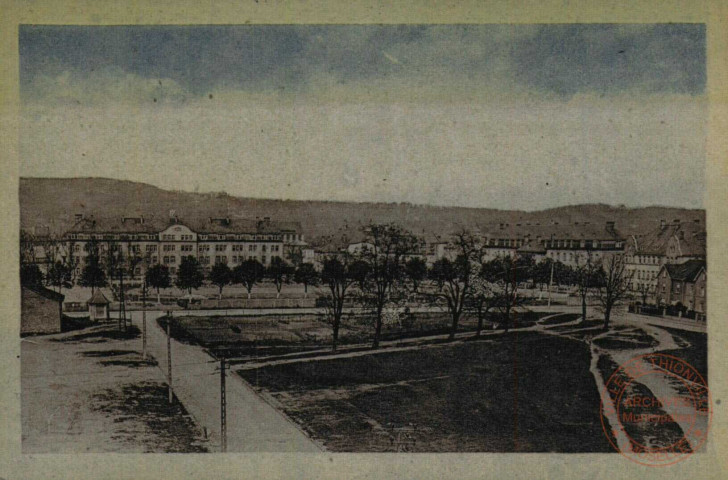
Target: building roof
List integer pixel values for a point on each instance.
(532, 246)
(154, 225)
(45, 292)
(555, 230)
(690, 236)
(98, 298)
(687, 271)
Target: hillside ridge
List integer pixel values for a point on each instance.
(53, 202)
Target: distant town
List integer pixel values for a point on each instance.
(317, 326)
(664, 268)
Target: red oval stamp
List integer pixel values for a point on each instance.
(656, 410)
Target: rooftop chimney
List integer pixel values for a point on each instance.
(676, 221)
(697, 221)
(78, 217)
(610, 226)
(663, 224)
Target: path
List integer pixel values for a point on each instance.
(252, 424)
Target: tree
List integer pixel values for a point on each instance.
(613, 281)
(506, 275)
(387, 246)
(30, 275)
(359, 272)
(542, 272)
(306, 275)
(453, 277)
(336, 276)
(483, 291)
(121, 261)
(189, 275)
(585, 279)
(294, 254)
(93, 274)
(27, 248)
(220, 275)
(416, 271)
(644, 289)
(157, 277)
(280, 272)
(59, 275)
(248, 273)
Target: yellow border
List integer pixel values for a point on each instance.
(712, 464)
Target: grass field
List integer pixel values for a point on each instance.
(274, 334)
(459, 397)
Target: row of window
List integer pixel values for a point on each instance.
(646, 275)
(645, 259)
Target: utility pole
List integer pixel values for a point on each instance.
(551, 281)
(223, 408)
(169, 356)
(144, 320)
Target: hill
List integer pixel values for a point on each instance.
(52, 202)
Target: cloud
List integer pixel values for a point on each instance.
(549, 59)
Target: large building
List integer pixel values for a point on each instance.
(672, 243)
(568, 243)
(683, 284)
(211, 240)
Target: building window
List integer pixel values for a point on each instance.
(172, 259)
(252, 248)
(220, 247)
(166, 260)
(263, 257)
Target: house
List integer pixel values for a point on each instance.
(673, 242)
(40, 310)
(684, 284)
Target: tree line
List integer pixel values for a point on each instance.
(386, 273)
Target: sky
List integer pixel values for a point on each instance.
(496, 116)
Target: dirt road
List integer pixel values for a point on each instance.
(253, 425)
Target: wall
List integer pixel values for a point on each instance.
(39, 314)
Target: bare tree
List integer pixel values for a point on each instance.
(507, 273)
(386, 248)
(644, 289)
(453, 278)
(338, 279)
(585, 275)
(484, 292)
(613, 281)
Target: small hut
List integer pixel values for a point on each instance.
(98, 307)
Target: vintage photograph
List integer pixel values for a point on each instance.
(364, 238)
